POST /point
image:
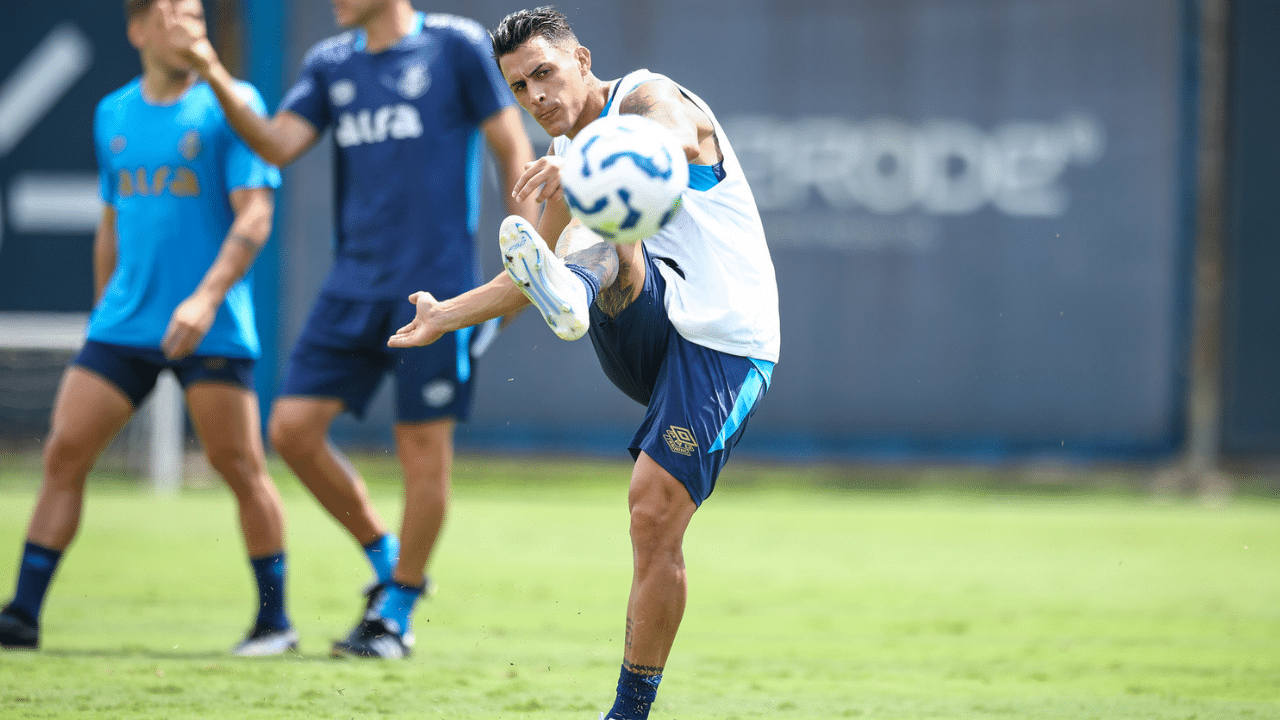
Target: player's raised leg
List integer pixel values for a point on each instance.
(87, 413)
(660, 513)
(225, 417)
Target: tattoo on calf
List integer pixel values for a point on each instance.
(647, 670)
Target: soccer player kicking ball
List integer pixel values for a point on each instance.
(685, 322)
(186, 209)
(407, 95)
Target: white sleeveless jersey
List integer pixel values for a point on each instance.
(727, 299)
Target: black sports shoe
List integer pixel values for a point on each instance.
(18, 631)
(373, 595)
(374, 637)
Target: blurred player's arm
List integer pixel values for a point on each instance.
(254, 209)
(279, 140)
(104, 251)
(504, 132)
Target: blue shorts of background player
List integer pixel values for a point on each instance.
(698, 400)
(342, 354)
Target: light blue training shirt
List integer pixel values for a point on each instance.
(168, 171)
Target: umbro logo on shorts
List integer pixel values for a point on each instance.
(680, 440)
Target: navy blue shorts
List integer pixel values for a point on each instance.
(342, 353)
(699, 400)
(134, 370)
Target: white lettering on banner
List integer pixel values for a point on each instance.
(397, 122)
(886, 167)
(28, 94)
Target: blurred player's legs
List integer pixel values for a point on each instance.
(225, 417)
(87, 413)
(426, 457)
(299, 432)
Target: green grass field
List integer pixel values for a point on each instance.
(810, 598)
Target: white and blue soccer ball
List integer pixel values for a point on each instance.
(623, 177)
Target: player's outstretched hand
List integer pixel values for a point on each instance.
(422, 331)
(541, 176)
(188, 36)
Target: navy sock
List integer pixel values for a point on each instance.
(591, 281)
(397, 604)
(635, 695)
(34, 574)
(383, 554)
(269, 572)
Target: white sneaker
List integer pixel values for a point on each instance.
(263, 642)
(558, 294)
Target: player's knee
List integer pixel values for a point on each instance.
(66, 458)
(655, 529)
(290, 435)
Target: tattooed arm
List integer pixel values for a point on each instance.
(254, 208)
(662, 101)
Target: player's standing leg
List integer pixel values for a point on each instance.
(299, 430)
(660, 513)
(425, 451)
(225, 417)
(87, 413)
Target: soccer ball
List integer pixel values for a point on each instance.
(623, 176)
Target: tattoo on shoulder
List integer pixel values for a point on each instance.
(638, 103)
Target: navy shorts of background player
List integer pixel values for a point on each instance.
(134, 370)
(342, 353)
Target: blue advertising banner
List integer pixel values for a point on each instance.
(57, 59)
(977, 211)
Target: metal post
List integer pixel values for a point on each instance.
(165, 416)
(1199, 470)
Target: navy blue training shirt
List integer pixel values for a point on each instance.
(407, 153)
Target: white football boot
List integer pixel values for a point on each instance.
(553, 289)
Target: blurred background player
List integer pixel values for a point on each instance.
(684, 322)
(186, 209)
(407, 95)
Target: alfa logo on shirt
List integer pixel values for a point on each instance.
(680, 440)
(365, 127)
(178, 182)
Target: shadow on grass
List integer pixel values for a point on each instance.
(136, 653)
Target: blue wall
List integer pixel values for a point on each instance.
(977, 211)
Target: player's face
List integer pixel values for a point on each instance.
(357, 13)
(549, 82)
(153, 38)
